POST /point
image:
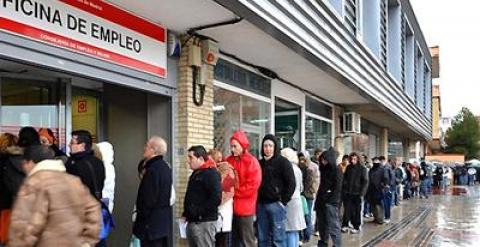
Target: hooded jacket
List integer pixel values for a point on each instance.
(109, 184)
(278, 179)
(355, 180)
(54, 209)
(249, 177)
(330, 180)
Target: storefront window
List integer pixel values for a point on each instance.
(318, 134)
(233, 111)
(33, 103)
(287, 124)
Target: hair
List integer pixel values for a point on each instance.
(83, 136)
(317, 151)
(215, 152)
(375, 158)
(199, 151)
(345, 157)
(38, 153)
(353, 154)
(96, 151)
(7, 140)
(158, 144)
(50, 133)
(28, 136)
(382, 158)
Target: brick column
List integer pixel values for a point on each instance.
(194, 125)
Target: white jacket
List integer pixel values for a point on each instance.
(109, 185)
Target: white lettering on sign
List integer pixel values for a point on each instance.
(92, 27)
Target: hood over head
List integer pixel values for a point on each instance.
(275, 143)
(330, 156)
(241, 138)
(106, 149)
(290, 154)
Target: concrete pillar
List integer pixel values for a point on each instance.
(384, 142)
(194, 124)
(337, 133)
(406, 152)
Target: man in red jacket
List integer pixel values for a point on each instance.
(245, 198)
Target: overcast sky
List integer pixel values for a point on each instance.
(454, 26)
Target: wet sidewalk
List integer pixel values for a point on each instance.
(445, 219)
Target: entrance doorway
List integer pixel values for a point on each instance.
(287, 124)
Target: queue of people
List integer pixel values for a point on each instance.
(281, 199)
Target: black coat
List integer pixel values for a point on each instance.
(78, 165)
(154, 213)
(330, 189)
(355, 180)
(378, 183)
(278, 179)
(11, 176)
(203, 196)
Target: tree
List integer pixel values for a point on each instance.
(464, 135)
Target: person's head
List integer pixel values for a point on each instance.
(81, 141)
(269, 146)
(238, 143)
(28, 136)
(197, 155)
(353, 158)
(302, 159)
(216, 155)
(47, 137)
(155, 146)
(383, 160)
(290, 155)
(96, 151)
(376, 160)
(345, 159)
(35, 154)
(7, 140)
(317, 153)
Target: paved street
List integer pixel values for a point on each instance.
(451, 219)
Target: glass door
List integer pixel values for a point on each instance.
(287, 124)
(27, 101)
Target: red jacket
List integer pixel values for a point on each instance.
(249, 178)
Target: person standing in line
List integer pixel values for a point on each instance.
(355, 184)
(52, 208)
(245, 198)
(225, 210)
(154, 209)
(328, 200)
(311, 180)
(388, 195)
(423, 180)
(345, 162)
(276, 190)
(295, 215)
(378, 184)
(398, 181)
(202, 198)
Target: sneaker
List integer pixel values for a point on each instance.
(316, 234)
(344, 229)
(300, 243)
(354, 231)
(386, 221)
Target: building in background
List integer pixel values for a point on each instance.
(438, 135)
(356, 75)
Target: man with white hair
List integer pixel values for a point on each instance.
(154, 209)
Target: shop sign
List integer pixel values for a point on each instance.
(92, 27)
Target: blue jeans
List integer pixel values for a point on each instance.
(328, 222)
(292, 239)
(387, 203)
(393, 190)
(271, 220)
(307, 233)
(423, 188)
(366, 208)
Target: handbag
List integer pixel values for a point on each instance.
(107, 223)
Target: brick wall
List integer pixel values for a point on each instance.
(194, 124)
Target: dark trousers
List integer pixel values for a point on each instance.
(352, 206)
(223, 239)
(328, 224)
(162, 242)
(243, 234)
(387, 203)
(307, 232)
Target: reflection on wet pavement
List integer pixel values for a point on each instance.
(450, 218)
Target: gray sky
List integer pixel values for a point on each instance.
(454, 27)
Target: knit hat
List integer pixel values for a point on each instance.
(45, 133)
